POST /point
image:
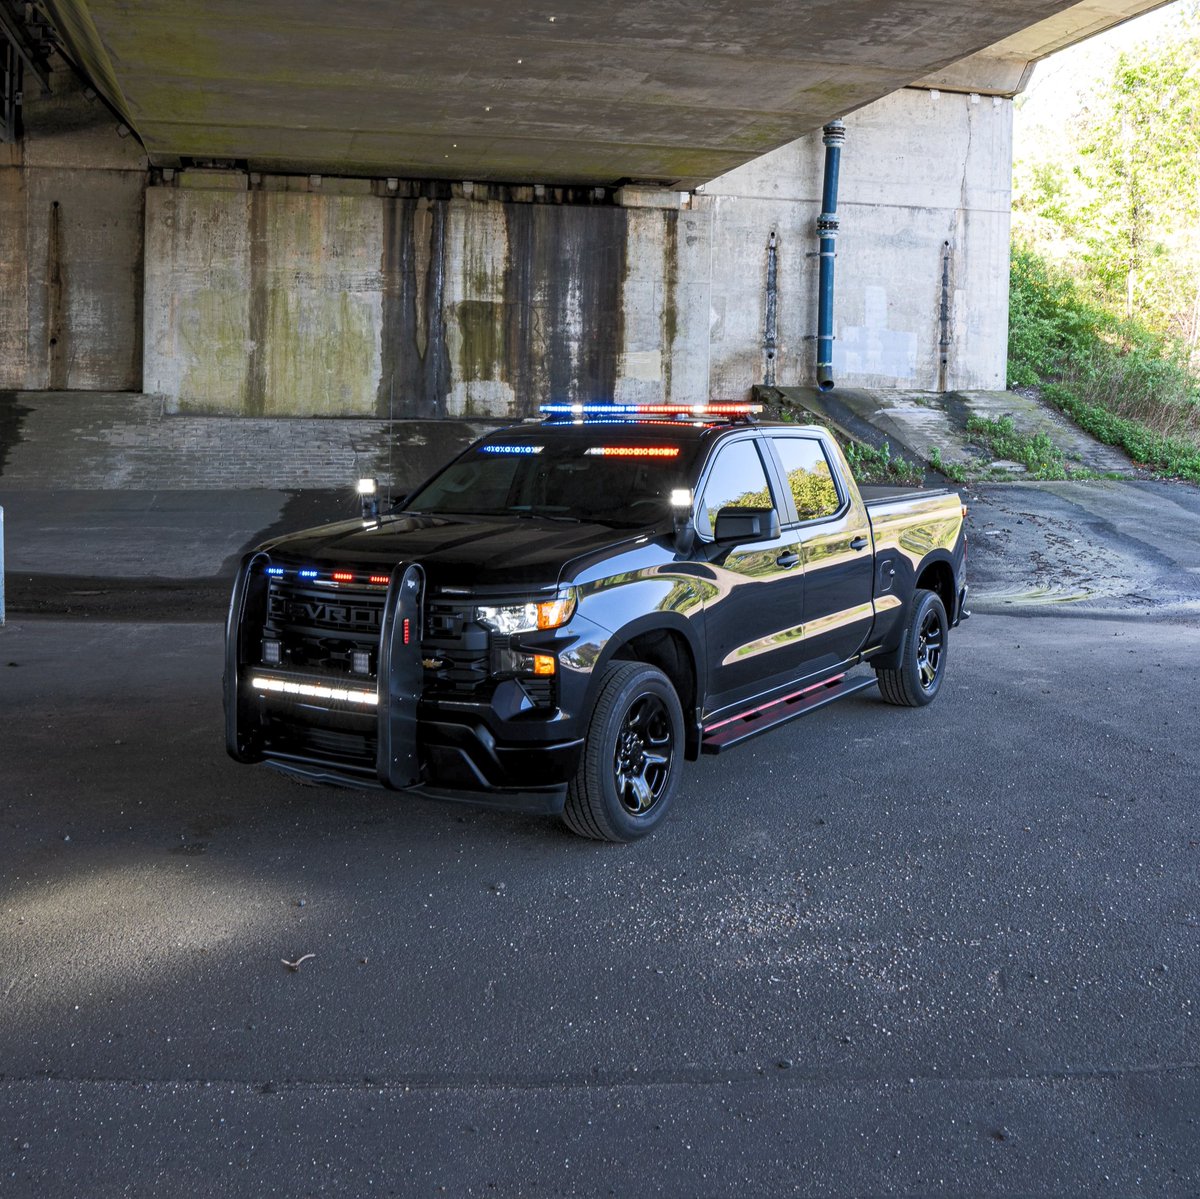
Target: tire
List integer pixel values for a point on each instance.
(632, 757)
(918, 678)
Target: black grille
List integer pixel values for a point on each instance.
(320, 628)
(456, 651)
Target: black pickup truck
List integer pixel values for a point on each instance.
(573, 607)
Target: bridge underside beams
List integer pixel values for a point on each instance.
(598, 93)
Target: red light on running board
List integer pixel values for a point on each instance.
(342, 576)
(380, 580)
(406, 630)
(635, 451)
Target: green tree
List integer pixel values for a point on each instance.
(1113, 192)
(1141, 163)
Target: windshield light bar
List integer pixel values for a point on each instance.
(634, 451)
(719, 409)
(313, 691)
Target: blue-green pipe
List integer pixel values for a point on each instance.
(827, 227)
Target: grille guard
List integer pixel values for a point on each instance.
(399, 676)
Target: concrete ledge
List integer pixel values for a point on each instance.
(96, 440)
(917, 423)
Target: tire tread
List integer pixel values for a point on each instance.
(585, 813)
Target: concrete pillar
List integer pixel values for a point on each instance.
(70, 247)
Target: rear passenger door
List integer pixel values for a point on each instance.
(829, 525)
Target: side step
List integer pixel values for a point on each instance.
(728, 733)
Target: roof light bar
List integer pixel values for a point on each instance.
(313, 691)
(634, 451)
(718, 409)
(510, 449)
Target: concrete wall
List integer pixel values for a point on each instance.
(332, 299)
(274, 295)
(923, 175)
(71, 221)
(281, 295)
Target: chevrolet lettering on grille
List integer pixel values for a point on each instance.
(347, 616)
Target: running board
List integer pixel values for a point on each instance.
(735, 730)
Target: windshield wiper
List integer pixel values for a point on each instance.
(527, 513)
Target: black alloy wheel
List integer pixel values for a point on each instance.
(645, 754)
(931, 636)
(632, 757)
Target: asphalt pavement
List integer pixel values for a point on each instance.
(953, 951)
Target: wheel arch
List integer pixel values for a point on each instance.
(670, 645)
(935, 573)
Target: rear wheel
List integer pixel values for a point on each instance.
(630, 766)
(918, 678)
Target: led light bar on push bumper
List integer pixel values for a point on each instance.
(277, 686)
(721, 409)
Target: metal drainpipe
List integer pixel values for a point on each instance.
(769, 342)
(827, 228)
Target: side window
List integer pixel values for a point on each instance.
(737, 480)
(808, 476)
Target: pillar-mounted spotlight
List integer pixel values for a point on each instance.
(368, 493)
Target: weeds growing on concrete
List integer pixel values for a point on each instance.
(1117, 379)
(872, 466)
(956, 472)
(1040, 457)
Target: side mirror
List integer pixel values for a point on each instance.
(736, 525)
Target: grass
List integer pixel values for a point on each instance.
(872, 466)
(956, 472)
(1040, 457)
(1118, 380)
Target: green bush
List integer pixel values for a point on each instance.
(1117, 379)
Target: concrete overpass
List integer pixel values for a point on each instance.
(585, 92)
(430, 209)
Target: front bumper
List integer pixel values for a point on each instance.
(548, 801)
(494, 753)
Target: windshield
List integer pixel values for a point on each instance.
(615, 480)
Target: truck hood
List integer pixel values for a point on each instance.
(460, 551)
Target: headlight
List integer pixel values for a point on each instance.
(525, 618)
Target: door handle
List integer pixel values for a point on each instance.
(787, 560)
(859, 543)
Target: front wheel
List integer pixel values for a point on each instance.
(917, 679)
(631, 760)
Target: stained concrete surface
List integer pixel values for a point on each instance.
(918, 424)
(856, 960)
(98, 441)
(593, 93)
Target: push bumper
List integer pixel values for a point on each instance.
(335, 732)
